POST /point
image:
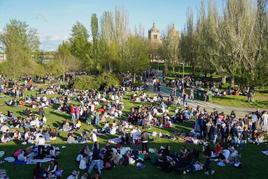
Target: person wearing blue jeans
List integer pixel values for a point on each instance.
(97, 118)
(96, 160)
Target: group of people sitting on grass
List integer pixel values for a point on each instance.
(215, 87)
(130, 143)
(52, 171)
(183, 161)
(218, 127)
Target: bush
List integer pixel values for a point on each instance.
(86, 82)
(107, 80)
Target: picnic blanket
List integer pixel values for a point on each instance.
(265, 152)
(115, 140)
(35, 161)
(28, 162)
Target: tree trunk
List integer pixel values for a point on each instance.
(173, 68)
(134, 77)
(223, 80)
(193, 69)
(166, 69)
(63, 78)
(232, 81)
(110, 67)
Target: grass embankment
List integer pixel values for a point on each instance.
(253, 162)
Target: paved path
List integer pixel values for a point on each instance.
(165, 91)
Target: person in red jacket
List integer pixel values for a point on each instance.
(72, 111)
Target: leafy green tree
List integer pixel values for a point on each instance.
(206, 33)
(80, 47)
(188, 42)
(114, 34)
(136, 58)
(170, 47)
(95, 36)
(20, 42)
(64, 61)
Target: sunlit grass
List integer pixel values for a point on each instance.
(253, 161)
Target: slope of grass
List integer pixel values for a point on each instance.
(253, 162)
(260, 101)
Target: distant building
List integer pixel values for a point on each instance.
(155, 42)
(46, 57)
(3, 57)
(154, 35)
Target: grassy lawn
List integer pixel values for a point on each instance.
(253, 162)
(260, 101)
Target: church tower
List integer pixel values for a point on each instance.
(154, 35)
(155, 43)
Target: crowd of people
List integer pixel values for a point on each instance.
(103, 110)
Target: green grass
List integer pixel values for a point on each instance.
(253, 162)
(260, 101)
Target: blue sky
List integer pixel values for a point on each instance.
(54, 18)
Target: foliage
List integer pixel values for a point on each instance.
(232, 43)
(114, 34)
(64, 61)
(86, 83)
(188, 42)
(170, 47)
(136, 58)
(107, 80)
(80, 47)
(20, 43)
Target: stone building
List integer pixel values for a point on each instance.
(154, 35)
(155, 42)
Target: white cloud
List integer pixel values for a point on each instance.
(51, 42)
(42, 17)
(54, 37)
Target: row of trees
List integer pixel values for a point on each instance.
(21, 45)
(107, 46)
(231, 43)
(110, 47)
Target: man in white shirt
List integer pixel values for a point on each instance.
(40, 140)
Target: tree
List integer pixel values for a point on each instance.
(232, 43)
(80, 47)
(170, 47)
(114, 33)
(95, 33)
(64, 61)
(94, 29)
(206, 45)
(188, 42)
(235, 33)
(20, 42)
(255, 63)
(136, 58)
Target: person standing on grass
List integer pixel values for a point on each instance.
(72, 111)
(94, 136)
(265, 121)
(95, 159)
(77, 112)
(144, 141)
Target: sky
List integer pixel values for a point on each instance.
(54, 18)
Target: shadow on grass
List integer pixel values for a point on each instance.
(63, 115)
